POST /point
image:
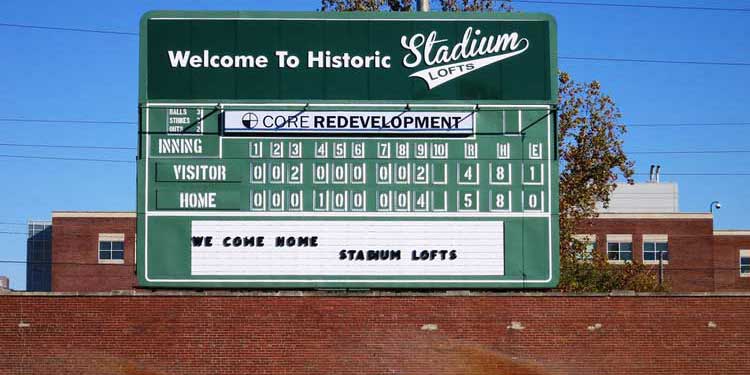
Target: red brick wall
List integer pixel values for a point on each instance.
(699, 261)
(75, 255)
(727, 262)
(367, 334)
(690, 241)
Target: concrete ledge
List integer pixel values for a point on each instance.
(666, 215)
(732, 232)
(365, 294)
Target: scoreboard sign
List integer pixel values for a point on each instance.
(356, 150)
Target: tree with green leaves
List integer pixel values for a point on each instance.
(592, 160)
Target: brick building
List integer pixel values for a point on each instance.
(695, 257)
(95, 251)
(731, 251)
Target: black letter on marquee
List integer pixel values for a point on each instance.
(197, 241)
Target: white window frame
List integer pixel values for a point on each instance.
(744, 253)
(654, 238)
(110, 237)
(619, 239)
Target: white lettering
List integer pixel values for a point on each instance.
(325, 59)
(199, 172)
(179, 58)
(183, 59)
(462, 58)
(197, 200)
(180, 146)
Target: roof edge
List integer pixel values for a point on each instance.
(732, 232)
(95, 214)
(653, 215)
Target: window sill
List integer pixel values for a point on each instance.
(655, 262)
(745, 275)
(111, 261)
(618, 261)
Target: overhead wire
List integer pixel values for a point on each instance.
(65, 121)
(580, 58)
(686, 124)
(66, 158)
(85, 147)
(75, 29)
(641, 6)
(71, 146)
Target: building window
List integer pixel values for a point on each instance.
(111, 248)
(655, 245)
(589, 243)
(619, 248)
(745, 263)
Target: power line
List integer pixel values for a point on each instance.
(645, 6)
(12, 223)
(67, 146)
(654, 61)
(58, 121)
(64, 158)
(701, 174)
(644, 125)
(30, 157)
(579, 58)
(691, 152)
(75, 29)
(687, 124)
(134, 148)
(10, 261)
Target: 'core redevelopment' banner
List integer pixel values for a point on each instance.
(349, 122)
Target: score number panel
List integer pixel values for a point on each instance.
(398, 176)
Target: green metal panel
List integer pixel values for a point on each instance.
(192, 171)
(528, 77)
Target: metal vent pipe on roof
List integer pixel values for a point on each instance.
(651, 174)
(657, 173)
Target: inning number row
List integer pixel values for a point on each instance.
(385, 150)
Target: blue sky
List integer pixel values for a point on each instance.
(49, 74)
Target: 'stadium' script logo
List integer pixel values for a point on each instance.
(473, 52)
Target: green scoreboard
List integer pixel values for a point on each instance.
(347, 150)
